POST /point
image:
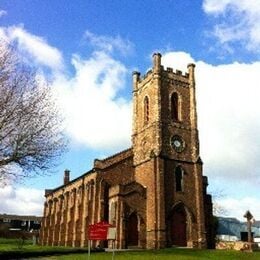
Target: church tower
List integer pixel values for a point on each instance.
(166, 156)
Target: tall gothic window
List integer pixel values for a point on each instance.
(106, 202)
(175, 107)
(146, 110)
(178, 178)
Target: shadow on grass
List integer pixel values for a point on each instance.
(28, 253)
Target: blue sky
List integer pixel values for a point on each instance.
(89, 50)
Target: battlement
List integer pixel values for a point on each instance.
(147, 74)
(168, 70)
(177, 72)
(186, 77)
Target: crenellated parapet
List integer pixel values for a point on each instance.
(176, 77)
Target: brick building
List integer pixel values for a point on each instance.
(154, 192)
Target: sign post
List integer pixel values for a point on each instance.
(101, 231)
(112, 236)
(89, 249)
(113, 247)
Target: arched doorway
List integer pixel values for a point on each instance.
(132, 230)
(179, 226)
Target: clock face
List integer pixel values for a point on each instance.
(177, 143)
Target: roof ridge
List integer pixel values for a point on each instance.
(114, 155)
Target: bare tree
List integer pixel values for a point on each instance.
(31, 138)
(218, 209)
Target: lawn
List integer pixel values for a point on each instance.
(10, 249)
(165, 254)
(14, 248)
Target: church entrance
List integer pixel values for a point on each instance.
(132, 230)
(179, 226)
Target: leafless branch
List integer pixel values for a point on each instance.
(31, 138)
(218, 209)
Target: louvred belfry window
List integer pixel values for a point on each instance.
(175, 107)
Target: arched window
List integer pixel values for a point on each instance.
(146, 110)
(178, 178)
(175, 107)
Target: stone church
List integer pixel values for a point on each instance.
(154, 192)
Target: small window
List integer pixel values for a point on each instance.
(178, 178)
(175, 110)
(6, 220)
(146, 110)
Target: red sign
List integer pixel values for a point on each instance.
(98, 231)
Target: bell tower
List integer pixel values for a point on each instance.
(166, 155)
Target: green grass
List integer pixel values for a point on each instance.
(165, 254)
(13, 241)
(13, 244)
(9, 249)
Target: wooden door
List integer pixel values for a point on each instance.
(178, 227)
(132, 230)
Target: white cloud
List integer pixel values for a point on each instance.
(237, 207)
(23, 201)
(35, 48)
(97, 115)
(177, 60)
(3, 13)
(229, 118)
(109, 44)
(236, 21)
